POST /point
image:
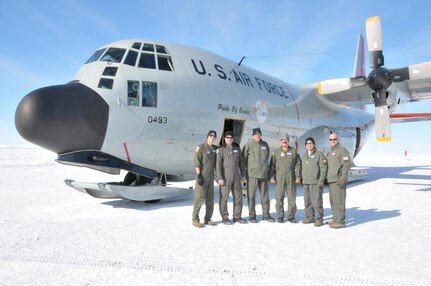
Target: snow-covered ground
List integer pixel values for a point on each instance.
(51, 234)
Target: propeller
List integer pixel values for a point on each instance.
(379, 79)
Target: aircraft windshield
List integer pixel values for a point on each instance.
(96, 55)
(114, 55)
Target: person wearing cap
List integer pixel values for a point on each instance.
(230, 172)
(204, 160)
(285, 172)
(256, 155)
(338, 170)
(314, 168)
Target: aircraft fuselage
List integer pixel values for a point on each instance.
(164, 97)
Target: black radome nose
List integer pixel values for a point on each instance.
(63, 118)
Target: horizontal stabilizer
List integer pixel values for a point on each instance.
(410, 117)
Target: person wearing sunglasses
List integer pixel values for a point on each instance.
(230, 172)
(204, 160)
(285, 172)
(314, 168)
(338, 170)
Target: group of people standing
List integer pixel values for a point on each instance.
(285, 168)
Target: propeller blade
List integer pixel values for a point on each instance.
(382, 123)
(340, 84)
(333, 85)
(373, 29)
(420, 71)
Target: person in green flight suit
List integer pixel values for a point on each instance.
(230, 172)
(256, 155)
(285, 172)
(204, 160)
(338, 170)
(314, 168)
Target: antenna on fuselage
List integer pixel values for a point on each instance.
(241, 60)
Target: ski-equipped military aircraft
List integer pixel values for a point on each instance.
(143, 106)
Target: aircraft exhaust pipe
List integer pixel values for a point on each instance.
(63, 118)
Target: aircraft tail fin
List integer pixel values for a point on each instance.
(359, 67)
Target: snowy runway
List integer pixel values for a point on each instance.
(51, 234)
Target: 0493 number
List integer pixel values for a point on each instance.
(158, 119)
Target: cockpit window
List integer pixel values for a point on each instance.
(131, 58)
(148, 47)
(147, 61)
(95, 56)
(165, 63)
(137, 45)
(114, 55)
(161, 49)
(106, 83)
(110, 71)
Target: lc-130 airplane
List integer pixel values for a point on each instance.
(143, 106)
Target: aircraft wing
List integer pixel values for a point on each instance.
(357, 91)
(418, 89)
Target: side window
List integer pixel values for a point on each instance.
(147, 61)
(149, 94)
(133, 93)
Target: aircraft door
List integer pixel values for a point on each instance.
(234, 125)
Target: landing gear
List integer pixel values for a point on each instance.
(134, 188)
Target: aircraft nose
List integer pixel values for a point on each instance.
(63, 118)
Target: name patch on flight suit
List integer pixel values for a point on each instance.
(313, 157)
(290, 154)
(333, 154)
(235, 151)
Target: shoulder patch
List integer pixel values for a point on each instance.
(345, 158)
(197, 149)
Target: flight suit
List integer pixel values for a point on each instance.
(286, 168)
(314, 169)
(338, 171)
(256, 157)
(230, 168)
(205, 159)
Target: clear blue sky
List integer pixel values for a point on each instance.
(44, 42)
